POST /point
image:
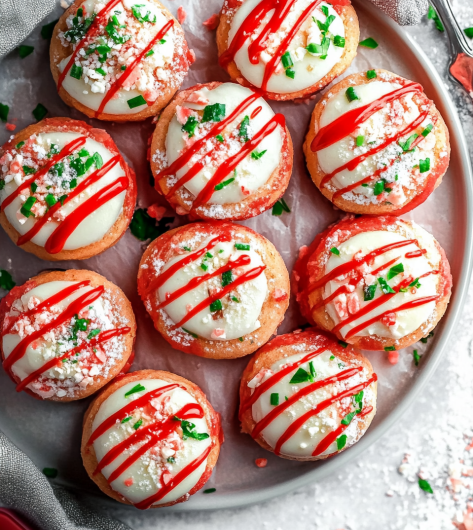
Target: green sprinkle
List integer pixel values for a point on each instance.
(214, 112)
(368, 292)
(235, 299)
(369, 43)
(73, 183)
(136, 102)
(101, 71)
(351, 94)
(243, 132)
(256, 156)
(227, 278)
(188, 430)
(216, 306)
(220, 138)
(343, 344)
(389, 348)
(416, 356)
(150, 52)
(424, 485)
(6, 280)
(50, 472)
(371, 74)
(274, 399)
(34, 187)
(137, 388)
(20, 145)
(313, 373)
(432, 15)
(385, 287)
(138, 14)
(332, 357)
(4, 110)
(339, 41)
(406, 146)
(124, 420)
(187, 248)
(93, 333)
(291, 73)
(341, 441)
(241, 339)
(222, 185)
(301, 376)
(62, 198)
(427, 130)
(348, 418)
(210, 490)
(123, 67)
(138, 424)
(171, 460)
(286, 60)
(24, 50)
(394, 271)
(190, 333)
(28, 170)
(280, 207)
(204, 266)
(47, 30)
(425, 339)
(76, 71)
(40, 112)
(242, 246)
(360, 140)
(378, 187)
(424, 165)
(98, 160)
(26, 208)
(335, 251)
(83, 152)
(469, 32)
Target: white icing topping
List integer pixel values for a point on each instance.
(315, 429)
(238, 318)
(149, 79)
(404, 322)
(309, 67)
(83, 369)
(146, 472)
(251, 174)
(35, 154)
(382, 125)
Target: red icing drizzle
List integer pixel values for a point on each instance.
(91, 179)
(325, 443)
(168, 273)
(231, 163)
(128, 409)
(72, 309)
(349, 267)
(175, 481)
(195, 282)
(347, 123)
(251, 24)
(152, 434)
(245, 277)
(65, 151)
(58, 238)
(297, 424)
(130, 67)
(94, 28)
(279, 409)
(104, 336)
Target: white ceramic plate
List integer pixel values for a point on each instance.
(50, 432)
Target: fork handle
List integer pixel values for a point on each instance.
(457, 38)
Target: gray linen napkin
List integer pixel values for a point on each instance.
(26, 490)
(22, 486)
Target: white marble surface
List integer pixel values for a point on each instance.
(370, 493)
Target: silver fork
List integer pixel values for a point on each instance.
(461, 52)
